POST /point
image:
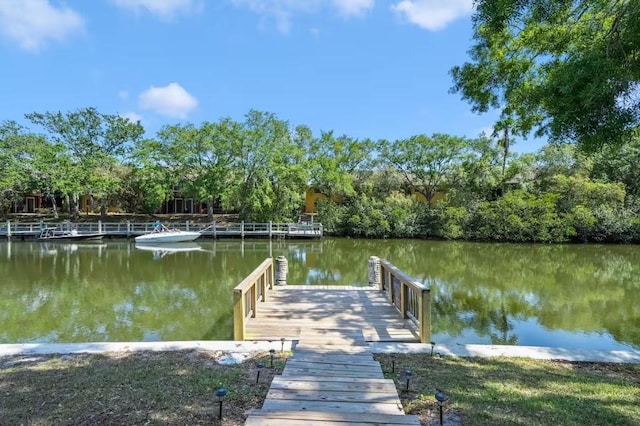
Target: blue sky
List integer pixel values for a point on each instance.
(365, 68)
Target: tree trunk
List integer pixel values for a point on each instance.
(104, 208)
(67, 203)
(75, 206)
(54, 206)
(209, 210)
(505, 154)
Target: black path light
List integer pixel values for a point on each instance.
(433, 345)
(408, 374)
(393, 363)
(441, 398)
(272, 353)
(282, 340)
(220, 393)
(260, 366)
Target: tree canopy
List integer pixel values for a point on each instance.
(95, 143)
(565, 68)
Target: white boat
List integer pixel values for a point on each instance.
(161, 234)
(57, 234)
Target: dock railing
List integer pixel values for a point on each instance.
(410, 297)
(208, 229)
(246, 296)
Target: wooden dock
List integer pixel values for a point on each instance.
(271, 230)
(297, 312)
(332, 377)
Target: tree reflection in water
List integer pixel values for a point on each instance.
(482, 293)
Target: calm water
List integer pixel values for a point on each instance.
(569, 296)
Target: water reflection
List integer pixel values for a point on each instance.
(571, 296)
(161, 250)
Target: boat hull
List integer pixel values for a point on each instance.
(167, 237)
(73, 237)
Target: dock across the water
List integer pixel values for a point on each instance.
(28, 230)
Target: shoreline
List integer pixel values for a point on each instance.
(462, 351)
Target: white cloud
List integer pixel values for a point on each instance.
(123, 94)
(165, 9)
(33, 22)
(171, 100)
(132, 116)
(433, 15)
(353, 7)
(282, 11)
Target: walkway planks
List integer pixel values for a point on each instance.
(321, 310)
(332, 378)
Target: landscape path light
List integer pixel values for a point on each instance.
(272, 353)
(441, 398)
(408, 374)
(260, 366)
(220, 393)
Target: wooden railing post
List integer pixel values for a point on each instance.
(412, 300)
(238, 315)
(254, 300)
(263, 286)
(246, 296)
(389, 285)
(404, 298)
(425, 316)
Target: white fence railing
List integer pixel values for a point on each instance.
(208, 229)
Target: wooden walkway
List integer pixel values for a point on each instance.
(332, 378)
(293, 311)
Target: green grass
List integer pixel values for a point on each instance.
(516, 391)
(177, 388)
(130, 388)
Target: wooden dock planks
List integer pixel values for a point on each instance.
(332, 378)
(363, 311)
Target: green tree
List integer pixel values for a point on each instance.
(478, 177)
(151, 179)
(201, 156)
(51, 170)
(95, 143)
(15, 162)
(569, 69)
(620, 164)
(270, 171)
(427, 163)
(333, 161)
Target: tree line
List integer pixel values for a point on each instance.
(261, 167)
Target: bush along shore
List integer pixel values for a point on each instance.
(179, 388)
(518, 217)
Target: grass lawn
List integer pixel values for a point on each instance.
(154, 388)
(177, 388)
(518, 391)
